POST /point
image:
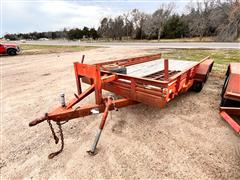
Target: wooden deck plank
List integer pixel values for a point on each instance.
(147, 68)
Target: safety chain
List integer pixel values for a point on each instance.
(53, 133)
(52, 155)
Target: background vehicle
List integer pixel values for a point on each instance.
(10, 49)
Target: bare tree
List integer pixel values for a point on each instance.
(149, 27)
(112, 28)
(160, 16)
(118, 27)
(103, 28)
(138, 19)
(218, 18)
(227, 14)
(198, 18)
(127, 22)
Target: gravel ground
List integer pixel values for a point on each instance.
(185, 140)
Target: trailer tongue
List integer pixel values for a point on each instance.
(148, 79)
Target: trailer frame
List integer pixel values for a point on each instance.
(154, 90)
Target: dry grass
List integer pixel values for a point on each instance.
(28, 49)
(195, 39)
(221, 57)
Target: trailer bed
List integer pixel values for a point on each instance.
(149, 79)
(153, 67)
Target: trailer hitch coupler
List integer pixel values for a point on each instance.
(38, 120)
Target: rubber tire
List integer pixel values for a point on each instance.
(12, 52)
(197, 86)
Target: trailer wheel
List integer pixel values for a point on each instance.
(197, 86)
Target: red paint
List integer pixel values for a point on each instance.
(232, 93)
(230, 121)
(146, 90)
(152, 90)
(166, 69)
(5, 47)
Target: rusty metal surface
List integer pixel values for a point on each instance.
(233, 87)
(231, 110)
(231, 96)
(132, 61)
(63, 114)
(226, 116)
(155, 91)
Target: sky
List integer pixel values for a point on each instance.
(21, 16)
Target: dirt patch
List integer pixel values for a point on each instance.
(186, 139)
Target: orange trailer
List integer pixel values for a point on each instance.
(149, 79)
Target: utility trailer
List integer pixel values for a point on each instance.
(149, 79)
(230, 97)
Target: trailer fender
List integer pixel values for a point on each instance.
(203, 70)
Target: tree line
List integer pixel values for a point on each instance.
(215, 18)
(71, 34)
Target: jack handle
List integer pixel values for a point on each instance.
(38, 120)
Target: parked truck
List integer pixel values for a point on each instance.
(9, 49)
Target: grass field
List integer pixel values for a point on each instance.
(46, 49)
(125, 39)
(221, 57)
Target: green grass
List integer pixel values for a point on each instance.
(194, 39)
(221, 57)
(45, 49)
